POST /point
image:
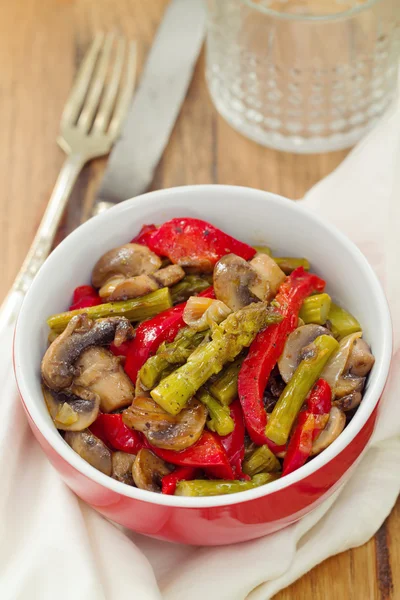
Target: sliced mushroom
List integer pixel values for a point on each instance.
(124, 289)
(346, 369)
(101, 373)
(164, 430)
(232, 278)
(335, 366)
(347, 385)
(269, 274)
(58, 364)
(71, 412)
(148, 471)
(360, 360)
(127, 261)
(170, 275)
(334, 427)
(109, 287)
(122, 464)
(292, 353)
(200, 313)
(349, 402)
(91, 449)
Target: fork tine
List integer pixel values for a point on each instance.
(89, 108)
(108, 101)
(125, 96)
(82, 81)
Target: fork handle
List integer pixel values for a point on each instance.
(44, 237)
(101, 207)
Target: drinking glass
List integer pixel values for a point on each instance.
(303, 75)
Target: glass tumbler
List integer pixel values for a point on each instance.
(303, 75)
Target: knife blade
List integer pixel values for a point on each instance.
(156, 104)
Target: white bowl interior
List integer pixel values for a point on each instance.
(253, 216)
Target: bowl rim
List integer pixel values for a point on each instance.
(374, 391)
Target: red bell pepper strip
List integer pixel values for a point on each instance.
(207, 453)
(144, 234)
(300, 445)
(309, 424)
(169, 482)
(234, 442)
(111, 429)
(267, 348)
(85, 303)
(83, 297)
(192, 242)
(151, 333)
(319, 401)
(122, 349)
(83, 291)
(97, 428)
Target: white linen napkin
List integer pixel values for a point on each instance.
(54, 546)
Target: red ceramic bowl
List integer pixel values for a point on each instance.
(256, 217)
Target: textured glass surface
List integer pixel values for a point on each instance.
(303, 75)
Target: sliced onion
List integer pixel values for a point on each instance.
(201, 313)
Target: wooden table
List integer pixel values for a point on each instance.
(41, 44)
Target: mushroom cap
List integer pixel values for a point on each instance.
(101, 373)
(349, 402)
(125, 289)
(169, 275)
(58, 364)
(232, 278)
(299, 339)
(171, 432)
(361, 359)
(128, 260)
(148, 471)
(270, 276)
(122, 463)
(334, 427)
(71, 412)
(91, 449)
(345, 371)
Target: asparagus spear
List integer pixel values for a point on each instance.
(289, 264)
(228, 339)
(174, 353)
(203, 487)
(136, 309)
(286, 263)
(315, 309)
(225, 387)
(342, 322)
(293, 396)
(263, 250)
(221, 422)
(189, 286)
(262, 459)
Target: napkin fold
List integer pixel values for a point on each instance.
(55, 546)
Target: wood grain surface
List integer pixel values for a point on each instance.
(41, 44)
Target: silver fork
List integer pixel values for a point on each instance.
(90, 124)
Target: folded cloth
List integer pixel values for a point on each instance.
(54, 546)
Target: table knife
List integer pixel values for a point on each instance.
(156, 104)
